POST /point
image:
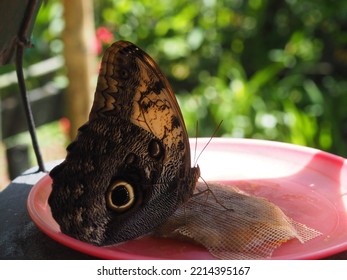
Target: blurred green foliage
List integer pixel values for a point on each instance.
(269, 69)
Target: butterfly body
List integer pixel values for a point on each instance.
(129, 168)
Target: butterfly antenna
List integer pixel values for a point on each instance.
(196, 141)
(208, 142)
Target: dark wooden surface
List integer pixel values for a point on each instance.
(21, 239)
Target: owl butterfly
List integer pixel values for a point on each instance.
(129, 167)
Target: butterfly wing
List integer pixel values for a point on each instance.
(132, 86)
(128, 71)
(129, 168)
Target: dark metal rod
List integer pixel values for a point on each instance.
(22, 43)
(26, 103)
(28, 17)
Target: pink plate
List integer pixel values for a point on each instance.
(309, 185)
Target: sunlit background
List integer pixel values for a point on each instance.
(272, 70)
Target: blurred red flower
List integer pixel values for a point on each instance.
(103, 36)
(64, 124)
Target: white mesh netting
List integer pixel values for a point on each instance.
(234, 225)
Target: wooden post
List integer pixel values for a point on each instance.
(80, 59)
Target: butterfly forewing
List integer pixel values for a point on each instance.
(153, 104)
